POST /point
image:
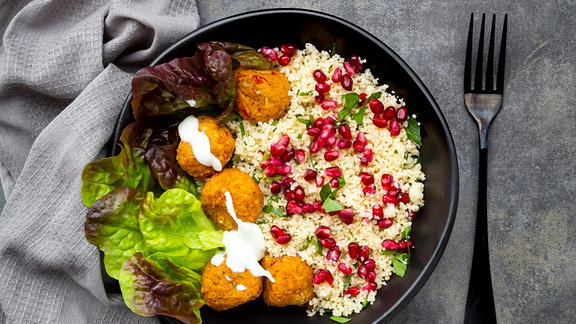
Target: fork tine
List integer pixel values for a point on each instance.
(468, 61)
(490, 61)
(502, 56)
(480, 57)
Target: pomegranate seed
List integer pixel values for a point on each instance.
(353, 250)
(377, 211)
(393, 190)
(269, 52)
(412, 215)
(328, 104)
(389, 199)
(394, 127)
(275, 187)
(288, 49)
(352, 291)
(350, 69)
(289, 194)
(330, 120)
(300, 155)
(386, 181)
(345, 268)
(318, 206)
(316, 145)
(284, 60)
(331, 155)
(322, 87)
(308, 208)
(284, 140)
(359, 143)
(369, 189)
(329, 278)
(334, 183)
(333, 254)
(344, 131)
(364, 253)
(370, 264)
(323, 232)
(379, 121)
(276, 150)
(385, 223)
(376, 106)
(292, 207)
(313, 131)
(328, 242)
(276, 231)
(266, 163)
(355, 61)
(330, 141)
(371, 286)
(402, 114)
(319, 76)
(327, 131)
(363, 96)
(319, 181)
(371, 276)
(299, 193)
(346, 82)
(362, 271)
(389, 244)
(318, 122)
(319, 98)
(336, 75)
(346, 215)
(310, 175)
(333, 172)
(283, 238)
(320, 276)
(287, 181)
(288, 155)
(366, 178)
(344, 143)
(403, 197)
(389, 113)
(284, 169)
(366, 157)
(270, 171)
(402, 246)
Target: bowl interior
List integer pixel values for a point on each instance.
(431, 230)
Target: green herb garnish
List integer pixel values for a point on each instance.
(413, 131)
(328, 196)
(339, 319)
(400, 262)
(269, 209)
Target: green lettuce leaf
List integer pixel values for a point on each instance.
(152, 287)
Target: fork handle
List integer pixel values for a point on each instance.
(480, 302)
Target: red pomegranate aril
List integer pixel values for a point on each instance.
(308, 208)
(275, 187)
(402, 114)
(320, 276)
(328, 104)
(366, 178)
(329, 278)
(318, 206)
(284, 60)
(288, 49)
(362, 98)
(355, 61)
(330, 141)
(403, 197)
(286, 182)
(284, 169)
(370, 264)
(377, 211)
(412, 215)
(330, 120)
(394, 127)
(370, 286)
(389, 199)
(331, 155)
(389, 113)
(344, 143)
(353, 250)
(322, 87)
(371, 276)
(334, 183)
(316, 145)
(379, 121)
(367, 156)
(369, 189)
(323, 232)
(276, 231)
(402, 246)
(359, 145)
(364, 253)
(362, 271)
(389, 244)
(346, 215)
(328, 242)
(349, 68)
(393, 190)
(352, 291)
(333, 172)
(313, 131)
(376, 106)
(386, 181)
(270, 171)
(299, 193)
(336, 75)
(310, 175)
(333, 254)
(300, 155)
(319, 181)
(344, 131)
(346, 82)
(327, 131)
(284, 140)
(289, 194)
(319, 76)
(269, 52)
(292, 207)
(288, 155)
(385, 223)
(319, 98)
(345, 268)
(283, 238)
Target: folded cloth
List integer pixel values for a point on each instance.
(65, 72)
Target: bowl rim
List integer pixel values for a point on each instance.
(429, 267)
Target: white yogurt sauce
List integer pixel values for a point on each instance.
(244, 247)
(189, 132)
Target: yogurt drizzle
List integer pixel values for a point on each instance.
(244, 247)
(189, 132)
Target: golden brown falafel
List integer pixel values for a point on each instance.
(222, 146)
(247, 198)
(223, 288)
(262, 94)
(292, 281)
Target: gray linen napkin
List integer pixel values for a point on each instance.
(65, 69)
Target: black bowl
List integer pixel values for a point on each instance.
(431, 231)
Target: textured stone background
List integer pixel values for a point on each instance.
(532, 146)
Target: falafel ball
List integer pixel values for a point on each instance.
(247, 198)
(292, 281)
(223, 288)
(222, 146)
(262, 95)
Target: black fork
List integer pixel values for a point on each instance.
(483, 99)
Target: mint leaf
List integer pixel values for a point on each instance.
(339, 319)
(325, 192)
(273, 210)
(413, 131)
(400, 262)
(331, 205)
(406, 233)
